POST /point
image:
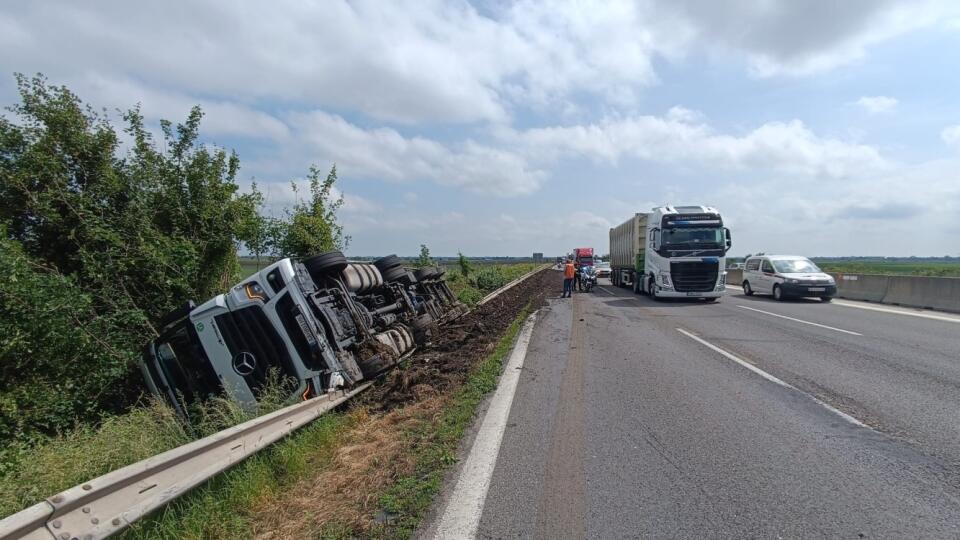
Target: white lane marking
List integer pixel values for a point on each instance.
(772, 379)
(461, 517)
(800, 320)
(891, 309)
(604, 289)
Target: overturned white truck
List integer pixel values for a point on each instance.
(314, 326)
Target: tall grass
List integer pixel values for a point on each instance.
(87, 452)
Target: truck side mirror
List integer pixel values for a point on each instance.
(654, 239)
(726, 232)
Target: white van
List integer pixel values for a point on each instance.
(786, 276)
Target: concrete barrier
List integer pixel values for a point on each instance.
(941, 293)
(868, 287)
(734, 277)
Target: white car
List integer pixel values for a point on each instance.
(603, 269)
(786, 276)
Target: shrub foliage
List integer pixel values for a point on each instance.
(101, 233)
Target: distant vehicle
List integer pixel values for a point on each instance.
(787, 276)
(735, 266)
(603, 270)
(583, 256)
(671, 251)
(588, 277)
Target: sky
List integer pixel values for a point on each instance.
(505, 128)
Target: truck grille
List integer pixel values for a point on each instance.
(249, 330)
(694, 276)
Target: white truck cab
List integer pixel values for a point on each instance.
(672, 252)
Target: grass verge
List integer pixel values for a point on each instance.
(407, 501)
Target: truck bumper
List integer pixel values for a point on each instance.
(670, 293)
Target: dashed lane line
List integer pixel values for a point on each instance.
(771, 378)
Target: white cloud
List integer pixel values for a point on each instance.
(779, 146)
(951, 136)
(877, 104)
(789, 38)
(385, 154)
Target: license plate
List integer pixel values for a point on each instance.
(817, 289)
(306, 330)
(693, 294)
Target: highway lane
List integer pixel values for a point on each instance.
(901, 375)
(622, 426)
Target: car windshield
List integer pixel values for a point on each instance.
(795, 266)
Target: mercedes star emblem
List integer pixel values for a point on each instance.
(244, 363)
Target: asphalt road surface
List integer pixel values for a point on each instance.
(748, 418)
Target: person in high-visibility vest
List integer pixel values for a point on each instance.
(568, 273)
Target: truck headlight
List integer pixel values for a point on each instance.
(665, 279)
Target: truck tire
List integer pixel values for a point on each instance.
(375, 365)
(394, 274)
(423, 274)
(386, 263)
(325, 264)
(652, 286)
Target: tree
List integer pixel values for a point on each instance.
(465, 266)
(424, 259)
(98, 244)
(311, 226)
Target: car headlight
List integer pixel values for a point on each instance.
(793, 281)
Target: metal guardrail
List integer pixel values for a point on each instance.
(112, 502)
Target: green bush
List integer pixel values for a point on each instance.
(490, 278)
(59, 359)
(98, 243)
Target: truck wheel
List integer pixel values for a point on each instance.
(388, 262)
(375, 365)
(394, 274)
(747, 290)
(825, 298)
(325, 264)
(652, 284)
(778, 293)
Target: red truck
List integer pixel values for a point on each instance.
(584, 256)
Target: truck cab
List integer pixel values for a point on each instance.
(687, 253)
(672, 252)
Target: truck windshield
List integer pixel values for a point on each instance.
(692, 237)
(184, 364)
(795, 266)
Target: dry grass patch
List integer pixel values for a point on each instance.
(345, 494)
